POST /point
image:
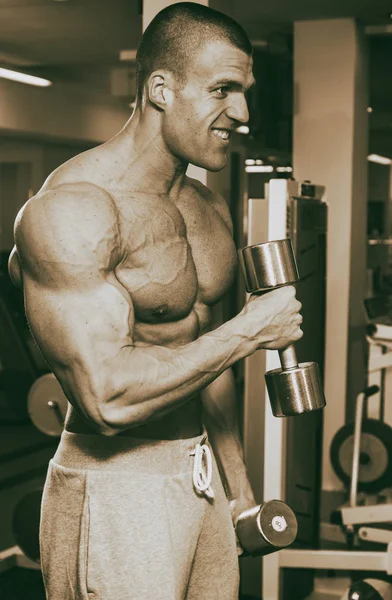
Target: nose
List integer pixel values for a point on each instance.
(238, 109)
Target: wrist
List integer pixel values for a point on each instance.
(247, 343)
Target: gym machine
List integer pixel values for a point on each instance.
(283, 456)
(356, 461)
(278, 217)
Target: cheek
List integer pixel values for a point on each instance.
(185, 124)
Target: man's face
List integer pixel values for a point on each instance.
(201, 116)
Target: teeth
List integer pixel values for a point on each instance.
(222, 134)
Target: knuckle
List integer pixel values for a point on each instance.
(291, 290)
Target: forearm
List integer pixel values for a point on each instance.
(221, 422)
(146, 382)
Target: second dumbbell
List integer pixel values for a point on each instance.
(266, 528)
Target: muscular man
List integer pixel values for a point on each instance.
(121, 257)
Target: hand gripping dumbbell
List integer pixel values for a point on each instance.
(266, 528)
(295, 388)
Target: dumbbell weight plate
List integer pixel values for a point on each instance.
(295, 391)
(267, 528)
(375, 468)
(47, 405)
(268, 265)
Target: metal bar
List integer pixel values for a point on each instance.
(387, 242)
(383, 361)
(372, 534)
(375, 513)
(26, 563)
(8, 558)
(288, 358)
(14, 557)
(334, 559)
(357, 448)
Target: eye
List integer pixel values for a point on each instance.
(222, 91)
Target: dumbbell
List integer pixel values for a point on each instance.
(266, 528)
(295, 388)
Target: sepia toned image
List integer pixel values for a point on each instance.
(195, 300)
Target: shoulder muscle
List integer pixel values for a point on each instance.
(67, 232)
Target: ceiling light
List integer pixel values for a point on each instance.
(369, 109)
(260, 169)
(284, 169)
(24, 78)
(381, 160)
(249, 161)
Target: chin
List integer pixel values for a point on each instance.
(214, 165)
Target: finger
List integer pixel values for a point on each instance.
(298, 305)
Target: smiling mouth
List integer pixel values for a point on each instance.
(223, 134)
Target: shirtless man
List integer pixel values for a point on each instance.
(121, 257)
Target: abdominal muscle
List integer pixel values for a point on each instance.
(186, 421)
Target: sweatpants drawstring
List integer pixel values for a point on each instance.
(202, 478)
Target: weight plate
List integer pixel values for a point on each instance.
(375, 469)
(370, 589)
(47, 405)
(374, 457)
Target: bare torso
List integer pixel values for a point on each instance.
(176, 258)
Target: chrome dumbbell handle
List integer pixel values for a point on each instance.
(288, 358)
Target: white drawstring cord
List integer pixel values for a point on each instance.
(201, 479)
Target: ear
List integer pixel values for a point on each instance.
(160, 89)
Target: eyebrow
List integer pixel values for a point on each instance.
(234, 83)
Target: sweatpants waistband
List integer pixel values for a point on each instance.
(151, 457)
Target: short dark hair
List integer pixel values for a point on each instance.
(175, 35)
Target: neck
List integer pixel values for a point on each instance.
(143, 160)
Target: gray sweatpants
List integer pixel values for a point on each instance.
(122, 519)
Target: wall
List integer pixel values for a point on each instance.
(357, 345)
(61, 112)
(330, 148)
